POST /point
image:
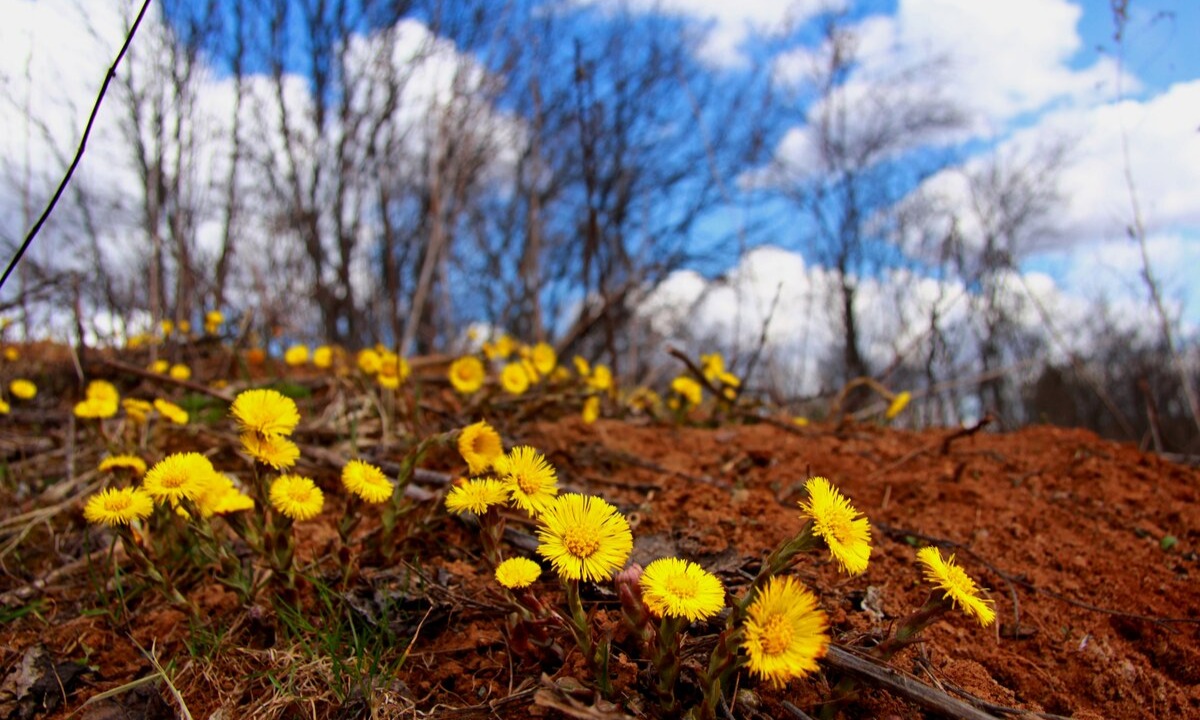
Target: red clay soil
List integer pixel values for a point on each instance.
(1098, 609)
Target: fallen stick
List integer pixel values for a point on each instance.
(909, 688)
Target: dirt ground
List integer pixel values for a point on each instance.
(1087, 547)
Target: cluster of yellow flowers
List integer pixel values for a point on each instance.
(520, 366)
(389, 369)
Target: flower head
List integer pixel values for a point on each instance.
(479, 444)
(212, 321)
(118, 506)
(476, 496)
(101, 400)
(514, 378)
(178, 476)
(466, 374)
(296, 497)
(517, 572)
(591, 409)
(22, 389)
(601, 379)
(584, 537)
(171, 411)
(678, 588)
(898, 404)
(959, 588)
(837, 522)
(274, 450)
(323, 357)
(689, 389)
(220, 497)
(180, 372)
(368, 361)
(137, 410)
(296, 355)
(265, 412)
(531, 481)
(785, 631)
(544, 358)
(366, 481)
(133, 463)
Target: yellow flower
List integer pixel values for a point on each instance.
(212, 321)
(366, 481)
(220, 497)
(712, 365)
(171, 411)
(544, 358)
(159, 367)
(689, 389)
(185, 327)
(898, 404)
(101, 401)
(167, 327)
(591, 409)
(837, 523)
(959, 588)
(581, 366)
(466, 374)
(601, 379)
(514, 378)
(137, 410)
(323, 357)
(178, 476)
(296, 497)
(118, 506)
(584, 537)
(393, 370)
(677, 588)
(785, 632)
(800, 421)
(22, 389)
(12, 354)
(368, 361)
(5, 408)
(501, 349)
(180, 372)
(274, 450)
(479, 444)
(517, 572)
(123, 462)
(296, 355)
(476, 496)
(531, 481)
(265, 412)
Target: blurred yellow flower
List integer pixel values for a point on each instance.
(544, 358)
(368, 361)
(5, 408)
(220, 497)
(22, 389)
(514, 378)
(898, 404)
(167, 327)
(171, 411)
(180, 372)
(213, 320)
(480, 446)
(137, 410)
(296, 355)
(689, 389)
(159, 367)
(132, 463)
(601, 378)
(467, 374)
(274, 450)
(591, 409)
(12, 354)
(323, 357)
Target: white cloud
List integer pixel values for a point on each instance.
(729, 25)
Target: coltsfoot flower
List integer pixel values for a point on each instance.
(118, 506)
(22, 389)
(584, 537)
(476, 496)
(531, 481)
(785, 632)
(274, 450)
(480, 446)
(517, 572)
(171, 411)
(296, 497)
(835, 520)
(959, 588)
(133, 463)
(467, 374)
(680, 588)
(178, 476)
(265, 412)
(366, 481)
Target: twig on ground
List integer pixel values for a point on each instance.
(157, 377)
